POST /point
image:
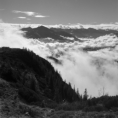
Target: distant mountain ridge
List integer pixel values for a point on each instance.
(66, 34)
(88, 33)
(44, 32)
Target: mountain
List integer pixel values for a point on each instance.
(64, 34)
(42, 32)
(87, 33)
(34, 78)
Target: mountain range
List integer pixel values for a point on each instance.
(65, 34)
(44, 32)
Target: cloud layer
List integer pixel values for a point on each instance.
(92, 70)
(112, 26)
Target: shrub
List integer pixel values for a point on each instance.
(97, 108)
(71, 106)
(24, 109)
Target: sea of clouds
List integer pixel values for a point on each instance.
(95, 70)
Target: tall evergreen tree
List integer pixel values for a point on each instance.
(85, 96)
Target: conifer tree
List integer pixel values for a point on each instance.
(85, 96)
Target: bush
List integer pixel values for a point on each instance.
(52, 105)
(97, 108)
(71, 106)
(24, 109)
(114, 109)
(28, 95)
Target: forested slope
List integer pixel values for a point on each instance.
(34, 77)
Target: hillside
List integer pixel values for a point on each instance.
(34, 77)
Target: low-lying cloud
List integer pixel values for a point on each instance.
(83, 69)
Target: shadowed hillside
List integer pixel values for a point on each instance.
(34, 77)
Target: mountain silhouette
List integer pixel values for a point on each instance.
(87, 33)
(44, 32)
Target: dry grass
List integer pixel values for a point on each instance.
(80, 114)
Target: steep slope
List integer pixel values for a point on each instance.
(34, 77)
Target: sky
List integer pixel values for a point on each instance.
(51, 12)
